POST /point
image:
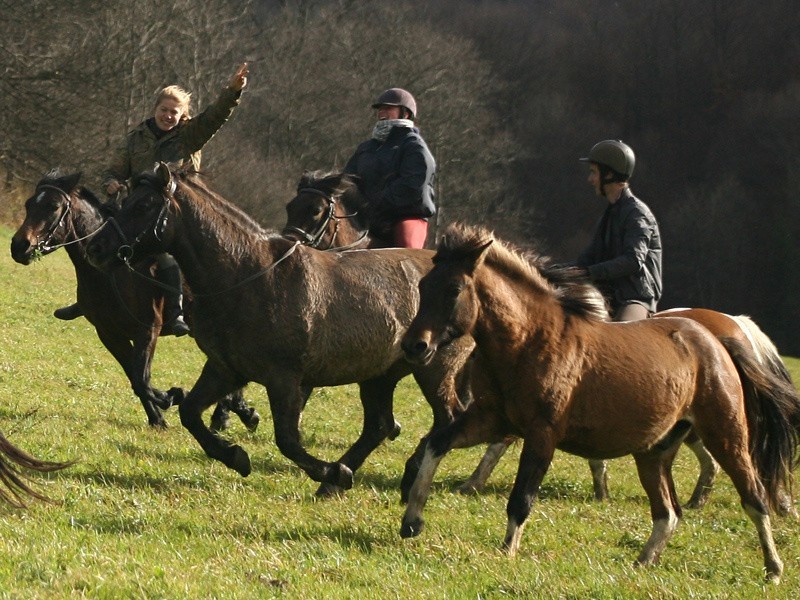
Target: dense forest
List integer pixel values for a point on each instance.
(510, 92)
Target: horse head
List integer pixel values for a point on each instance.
(48, 223)
(141, 228)
(448, 306)
(327, 212)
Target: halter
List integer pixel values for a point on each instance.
(44, 245)
(314, 238)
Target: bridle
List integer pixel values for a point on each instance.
(126, 249)
(314, 238)
(44, 245)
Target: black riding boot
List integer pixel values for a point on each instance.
(67, 313)
(173, 310)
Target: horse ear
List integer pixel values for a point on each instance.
(478, 253)
(164, 175)
(70, 182)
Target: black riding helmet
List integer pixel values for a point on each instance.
(398, 97)
(612, 156)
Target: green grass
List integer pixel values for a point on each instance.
(144, 514)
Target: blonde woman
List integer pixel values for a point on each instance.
(170, 135)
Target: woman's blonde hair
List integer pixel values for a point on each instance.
(177, 93)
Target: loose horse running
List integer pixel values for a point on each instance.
(328, 213)
(125, 307)
(559, 377)
(269, 310)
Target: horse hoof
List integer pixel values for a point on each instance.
(219, 424)
(176, 395)
(328, 490)
(395, 431)
(253, 421)
(340, 475)
(162, 424)
(411, 528)
(240, 461)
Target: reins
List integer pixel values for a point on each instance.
(44, 245)
(314, 238)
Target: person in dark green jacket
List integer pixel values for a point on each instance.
(173, 136)
(624, 257)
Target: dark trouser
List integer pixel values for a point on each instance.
(631, 312)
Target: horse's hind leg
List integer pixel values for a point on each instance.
(599, 469)
(211, 388)
(379, 424)
(708, 472)
(732, 455)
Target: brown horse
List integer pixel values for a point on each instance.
(124, 306)
(556, 374)
(739, 327)
(14, 487)
(328, 213)
(269, 310)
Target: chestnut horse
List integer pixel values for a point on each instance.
(16, 488)
(124, 307)
(328, 212)
(270, 310)
(556, 374)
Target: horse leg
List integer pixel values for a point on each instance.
(732, 455)
(236, 403)
(473, 427)
(487, 464)
(379, 424)
(286, 399)
(708, 471)
(538, 448)
(655, 475)
(599, 469)
(134, 361)
(211, 387)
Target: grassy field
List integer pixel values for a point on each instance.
(144, 514)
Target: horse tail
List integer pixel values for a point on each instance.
(772, 406)
(765, 350)
(14, 486)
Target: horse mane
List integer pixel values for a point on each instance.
(238, 230)
(576, 295)
(56, 177)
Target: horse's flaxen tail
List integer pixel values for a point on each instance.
(766, 352)
(772, 405)
(13, 485)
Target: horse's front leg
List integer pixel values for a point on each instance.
(473, 427)
(211, 387)
(379, 424)
(538, 448)
(599, 469)
(287, 399)
(477, 481)
(135, 362)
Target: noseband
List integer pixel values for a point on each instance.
(314, 238)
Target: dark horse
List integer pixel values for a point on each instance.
(14, 487)
(124, 306)
(328, 212)
(557, 375)
(269, 310)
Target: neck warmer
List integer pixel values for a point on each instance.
(384, 128)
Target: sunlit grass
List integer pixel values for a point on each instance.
(144, 514)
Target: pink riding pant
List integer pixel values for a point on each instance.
(410, 233)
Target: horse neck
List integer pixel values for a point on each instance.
(517, 312)
(216, 244)
(85, 219)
